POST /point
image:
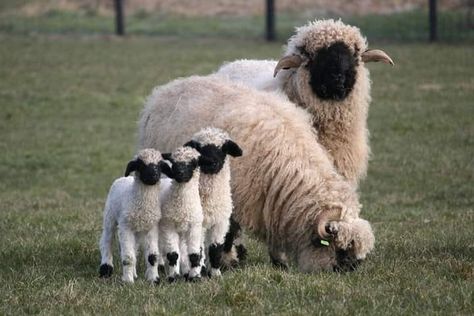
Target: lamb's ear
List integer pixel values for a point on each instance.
(166, 156)
(132, 166)
(231, 148)
(287, 62)
(193, 144)
(165, 168)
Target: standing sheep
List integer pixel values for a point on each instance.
(133, 204)
(214, 188)
(324, 73)
(181, 222)
(286, 190)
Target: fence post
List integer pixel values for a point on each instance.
(270, 19)
(119, 20)
(433, 21)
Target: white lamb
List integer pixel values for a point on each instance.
(182, 217)
(133, 205)
(215, 191)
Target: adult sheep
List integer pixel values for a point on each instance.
(285, 188)
(323, 70)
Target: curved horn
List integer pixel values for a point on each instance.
(288, 62)
(376, 55)
(324, 218)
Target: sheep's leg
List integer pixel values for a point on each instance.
(216, 239)
(193, 246)
(170, 241)
(184, 266)
(279, 258)
(151, 255)
(106, 264)
(234, 251)
(128, 253)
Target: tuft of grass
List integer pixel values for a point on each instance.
(68, 113)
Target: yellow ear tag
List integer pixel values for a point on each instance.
(324, 242)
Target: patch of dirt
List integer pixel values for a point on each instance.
(235, 7)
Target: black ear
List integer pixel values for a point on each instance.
(132, 166)
(166, 156)
(165, 168)
(231, 148)
(193, 144)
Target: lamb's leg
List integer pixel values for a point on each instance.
(106, 240)
(193, 245)
(151, 255)
(279, 258)
(183, 256)
(128, 253)
(216, 239)
(170, 239)
(234, 250)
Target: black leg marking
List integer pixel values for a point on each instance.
(172, 279)
(172, 258)
(161, 268)
(152, 259)
(105, 270)
(194, 258)
(241, 252)
(215, 255)
(157, 281)
(232, 234)
(203, 271)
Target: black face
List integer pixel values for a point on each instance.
(345, 259)
(149, 174)
(183, 171)
(333, 72)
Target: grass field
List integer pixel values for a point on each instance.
(68, 112)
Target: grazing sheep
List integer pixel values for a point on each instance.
(214, 188)
(286, 190)
(133, 204)
(323, 70)
(181, 222)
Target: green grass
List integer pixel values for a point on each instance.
(407, 26)
(68, 112)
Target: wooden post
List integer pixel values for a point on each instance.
(433, 21)
(119, 18)
(270, 21)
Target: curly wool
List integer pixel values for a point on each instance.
(285, 179)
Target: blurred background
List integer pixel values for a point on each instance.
(406, 20)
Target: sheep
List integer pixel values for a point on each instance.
(214, 188)
(182, 216)
(133, 205)
(285, 188)
(323, 70)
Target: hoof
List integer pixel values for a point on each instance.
(105, 270)
(172, 279)
(204, 271)
(157, 281)
(193, 279)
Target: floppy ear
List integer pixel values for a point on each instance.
(193, 144)
(231, 148)
(165, 168)
(166, 156)
(132, 166)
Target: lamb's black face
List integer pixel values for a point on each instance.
(212, 159)
(149, 174)
(333, 72)
(183, 171)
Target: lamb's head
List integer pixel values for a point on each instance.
(214, 145)
(147, 165)
(338, 245)
(326, 56)
(185, 161)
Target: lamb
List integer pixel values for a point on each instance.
(323, 70)
(214, 189)
(133, 204)
(182, 217)
(286, 190)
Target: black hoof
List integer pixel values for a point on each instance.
(204, 271)
(279, 264)
(105, 270)
(157, 281)
(193, 280)
(172, 279)
(161, 268)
